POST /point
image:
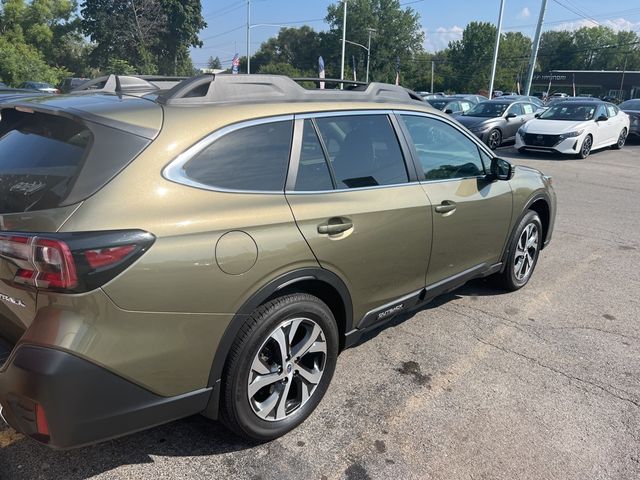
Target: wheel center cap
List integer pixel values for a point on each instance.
(289, 368)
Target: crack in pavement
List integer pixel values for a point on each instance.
(560, 372)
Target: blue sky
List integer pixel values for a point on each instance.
(441, 21)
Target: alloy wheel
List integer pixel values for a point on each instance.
(622, 138)
(526, 251)
(494, 139)
(586, 146)
(287, 369)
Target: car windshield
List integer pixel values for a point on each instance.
(630, 105)
(41, 85)
(439, 104)
(487, 109)
(570, 112)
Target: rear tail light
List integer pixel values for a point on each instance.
(42, 425)
(75, 262)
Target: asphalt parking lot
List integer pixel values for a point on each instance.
(543, 383)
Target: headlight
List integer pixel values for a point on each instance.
(577, 133)
(478, 128)
(521, 132)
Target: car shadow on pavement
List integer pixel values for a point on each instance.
(192, 436)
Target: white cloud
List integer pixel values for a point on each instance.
(524, 13)
(440, 38)
(615, 24)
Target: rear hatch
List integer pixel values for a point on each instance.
(53, 155)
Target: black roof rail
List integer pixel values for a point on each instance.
(254, 88)
(127, 84)
(349, 84)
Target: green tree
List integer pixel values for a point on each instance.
(513, 57)
(214, 63)
(471, 56)
(183, 23)
(556, 51)
(20, 62)
(398, 33)
(298, 47)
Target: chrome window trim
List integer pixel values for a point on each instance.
(469, 135)
(174, 171)
(343, 113)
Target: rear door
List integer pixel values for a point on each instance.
(355, 198)
(513, 124)
(471, 215)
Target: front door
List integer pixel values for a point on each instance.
(471, 214)
(353, 197)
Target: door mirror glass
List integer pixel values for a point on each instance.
(448, 111)
(602, 118)
(537, 115)
(510, 115)
(501, 169)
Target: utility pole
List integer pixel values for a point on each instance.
(432, 68)
(624, 69)
(369, 52)
(248, 36)
(495, 50)
(534, 48)
(344, 43)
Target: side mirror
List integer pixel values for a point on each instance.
(448, 111)
(602, 118)
(537, 115)
(510, 115)
(500, 169)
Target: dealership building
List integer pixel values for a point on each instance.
(615, 83)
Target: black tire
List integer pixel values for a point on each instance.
(622, 138)
(585, 148)
(237, 410)
(494, 139)
(508, 279)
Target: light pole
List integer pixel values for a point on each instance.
(368, 49)
(344, 41)
(248, 36)
(534, 49)
(495, 50)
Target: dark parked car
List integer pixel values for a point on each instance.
(632, 108)
(40, 86)
(451, 105)
(497, 121)
(70, 83)
(471, 96)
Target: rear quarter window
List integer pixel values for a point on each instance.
(251, 158)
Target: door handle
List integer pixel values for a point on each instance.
(446, 206)
(335, 226)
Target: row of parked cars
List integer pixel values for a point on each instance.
(567, 125)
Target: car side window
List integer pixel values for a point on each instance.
(601, 111)
(443, 151)
(313, 172)
(464, 106)
(528, 108)
(516, 109)
(363, 150)
(612, 110)
(453, 106)
(250, 158)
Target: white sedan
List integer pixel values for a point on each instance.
(575, 128)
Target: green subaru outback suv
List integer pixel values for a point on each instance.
(211, 248)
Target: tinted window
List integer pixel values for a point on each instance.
(487, 109)
(601, 111)
(443, 151)
(40, 157)
(251, 158)
(363, 150)
(464, 106)
(516, 109)
(313, 173)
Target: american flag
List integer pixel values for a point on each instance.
(235, 63)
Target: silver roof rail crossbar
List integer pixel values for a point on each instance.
(258, 88)
(127, 84)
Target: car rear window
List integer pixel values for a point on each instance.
(40, 157)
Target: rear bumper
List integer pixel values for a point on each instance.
(83, 403)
